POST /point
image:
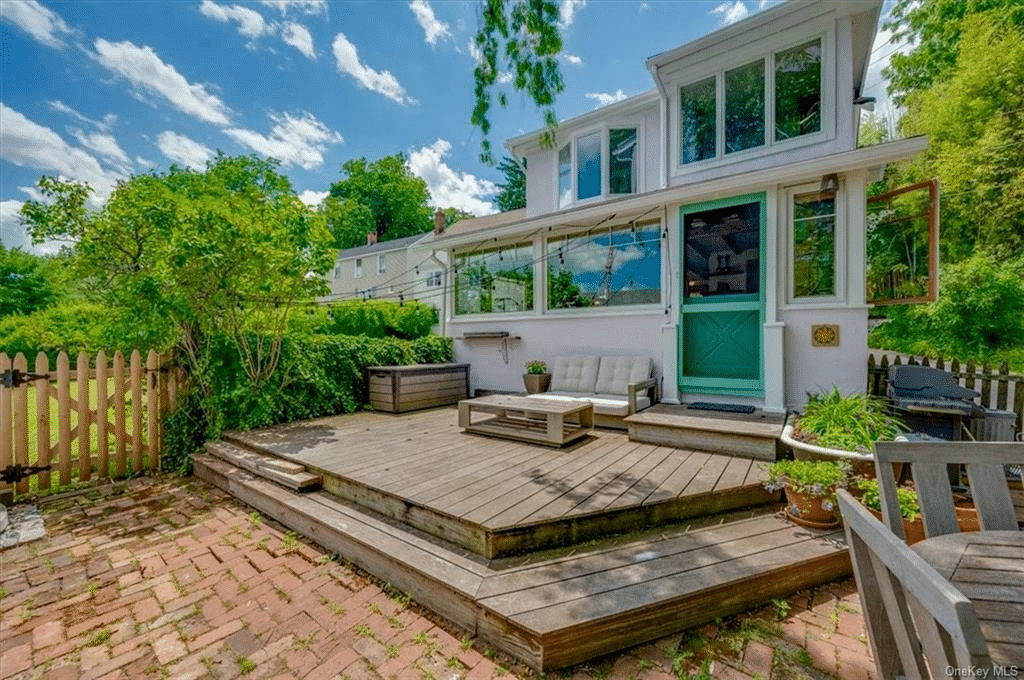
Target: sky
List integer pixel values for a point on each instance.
(99, 91)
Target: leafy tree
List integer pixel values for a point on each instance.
(453, 215)
(563, 292)
(974, 118)
(513, 192)
(873, 130)
(935, 29)
(395, 199)
(223, 253)
(523, 36)
(27, 282)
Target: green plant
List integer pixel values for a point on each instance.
(810, 477)
(910, 508)
(851, 423)
(536, 367)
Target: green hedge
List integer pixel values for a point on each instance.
(381, 319)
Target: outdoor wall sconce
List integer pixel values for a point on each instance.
(829, 185)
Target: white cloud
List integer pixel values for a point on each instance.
(448, 188)
(605, 98)
(573, 59)
(44, 25)
(567, 12)
(314, 7)
(593, 257)
(14, 235)
(475, 52)
(102, 143)
(30, 145)
(731, 12)
(379, 81)
(105, 125)
(250, 22)
(183, 150)
(313, 198)
(144, 69)
(299, 37)
(144, 162)
(33, 193)
(293, 140)
(431, 25)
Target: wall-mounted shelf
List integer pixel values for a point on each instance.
(503, 336)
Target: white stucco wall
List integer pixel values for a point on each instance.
(818, 369)
(549, 337)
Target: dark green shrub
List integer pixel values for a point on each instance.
(381, 319)
(185, 430)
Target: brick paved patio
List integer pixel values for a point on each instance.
(170, 578)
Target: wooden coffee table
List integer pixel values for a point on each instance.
(530, 419)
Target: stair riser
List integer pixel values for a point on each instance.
(761, 448)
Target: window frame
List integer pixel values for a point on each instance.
(549, 253)
(785, 42)
(839, 237)
(457, 316)
(357, 268)
(572, 140)
(381, 265)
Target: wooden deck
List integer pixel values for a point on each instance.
(559, 611)
(497, 497)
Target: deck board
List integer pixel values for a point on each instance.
(483, 492)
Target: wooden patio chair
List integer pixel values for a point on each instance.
(928, 465)
(919, 625)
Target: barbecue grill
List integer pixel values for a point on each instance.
(931, 398)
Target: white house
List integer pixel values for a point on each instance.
(385, 270)
(715, 223)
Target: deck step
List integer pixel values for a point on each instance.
(284, 472)
(559, 611)
(753, 436)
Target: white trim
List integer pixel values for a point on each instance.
(839, 255)
(527, 316)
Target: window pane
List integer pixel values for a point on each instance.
(697, 121)
(723, 251)
(798, 91)
(607, 268)
(622, 159)
(497, 280)
(588, 158)
(814, 245)
(744, 107)
(564, 176)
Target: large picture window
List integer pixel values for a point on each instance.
(495, 280)
(608, 267)
(740, 101)
(814, 246)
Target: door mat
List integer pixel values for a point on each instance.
(724, 408)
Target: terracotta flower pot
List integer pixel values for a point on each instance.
(806, 509)
(913, 531)
(536, 382)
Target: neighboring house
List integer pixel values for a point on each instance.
(385, 270)
(710, 223)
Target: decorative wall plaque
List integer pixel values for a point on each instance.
(825, 335)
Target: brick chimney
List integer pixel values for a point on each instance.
(439, 224)
(371, 238)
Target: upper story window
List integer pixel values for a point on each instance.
(598, 163)
(357, 268)
(380, 264)
(433, 279)
(731, 111)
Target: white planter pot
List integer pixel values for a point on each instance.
(804, 451)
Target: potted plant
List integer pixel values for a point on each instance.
(837, 427)
(536, 379)
(910, 508)
(810, 489)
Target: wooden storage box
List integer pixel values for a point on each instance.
(397, 389)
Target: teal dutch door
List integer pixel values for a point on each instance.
(722, 310)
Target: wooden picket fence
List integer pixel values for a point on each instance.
(999, 388)
(106, 422)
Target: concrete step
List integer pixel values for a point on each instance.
(286, 473)
(562, 609)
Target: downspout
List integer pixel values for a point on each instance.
(663, 142)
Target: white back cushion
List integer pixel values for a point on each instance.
(574, 374)
(616, 373)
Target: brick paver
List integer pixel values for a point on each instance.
(166, 577)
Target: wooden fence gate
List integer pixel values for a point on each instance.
(113, 411)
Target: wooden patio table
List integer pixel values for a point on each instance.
(988, 568)
(542, 421)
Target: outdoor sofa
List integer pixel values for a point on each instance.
(617, 386)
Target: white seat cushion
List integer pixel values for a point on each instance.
(575, 374)
(616, 373)
(604, 404)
